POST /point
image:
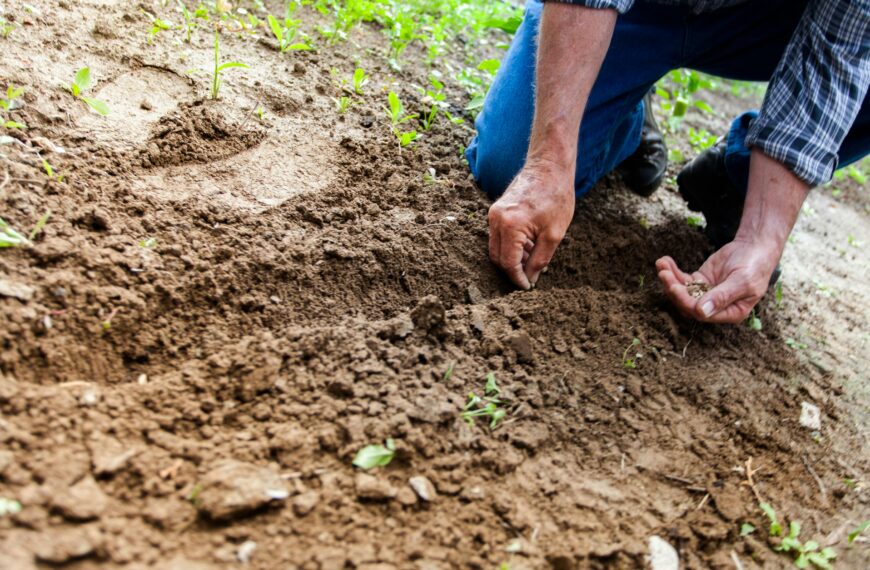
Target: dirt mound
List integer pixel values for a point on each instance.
(196, 133)
(211, 330)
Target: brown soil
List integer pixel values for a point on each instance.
(307, 292)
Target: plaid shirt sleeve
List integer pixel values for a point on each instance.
(817, 89)
(621, 6)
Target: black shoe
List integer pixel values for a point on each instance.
(705, 186)
(644, 170)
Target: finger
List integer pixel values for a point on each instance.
(494, 241)
(545, 248)
(525, 257)
(511, 258)
(728, 302)
(668, 263)
(679, 295)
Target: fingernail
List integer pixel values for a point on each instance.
(707, 308)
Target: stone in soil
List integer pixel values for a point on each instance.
(234, 488)
(305, 502)
(371, 488)
(83, 501)
(662, 556)
(423, 487)
(59, 546)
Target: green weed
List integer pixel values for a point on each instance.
(486, 406)
(9, 237)
(858, 531)
(157, 26)
(191, 17)
(806, 553)
(220, 67)
(695, 221)
(630, 362)
(375, 455)
(285, 32)
(360, 79)
(342, 104)
(82, 83)
(40, 225)
(753, 321)
(10, 103)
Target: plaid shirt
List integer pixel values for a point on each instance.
(815, 92)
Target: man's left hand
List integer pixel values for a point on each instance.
(738, 276)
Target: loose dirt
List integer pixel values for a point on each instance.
(195, 401)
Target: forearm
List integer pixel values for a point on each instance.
(573, 41)
(773, 201)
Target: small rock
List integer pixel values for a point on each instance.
(305, 502)
(90, 397)
(59, 546)
(83, 501)
(234, 488)
(111, 463)
(406, 496)
(472, 493)
(146, 105)
(521, 343)
(20, 291)
(811, 416)
(369, 487)
(424, 488)
(246, 550)
(475, 297)
(662, 555)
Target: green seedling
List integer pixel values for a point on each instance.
(434, 98)
(449, 372)
(777, 293)
(775, 527)
(9, 507)
(795, 345)
(630, 362)
(157, 26)
(858, 531)
(360, 79)
(808, 553)
(82, 83)
(193, 496)
(6, 28)
(10, 103)
(378, 455)
(396, 111)
(40, 225)
(753, 321)
(746, 529)
(148, 243)
(695, 221)
(486, 406)
(452, 119)
(405, 138)
(50, 172)
(191, 17)
(701, 140)
(342, 104)
(285, 32)
(220, 67)
(9, 237)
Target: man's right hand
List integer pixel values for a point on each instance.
(529, 221)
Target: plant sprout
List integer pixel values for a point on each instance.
(219, 67)
(285, 33)
(157, 26)
(375, 455)
(630, 361)
(360, 79)
(342, 104)
(10, 103)
(82, 83)
(190, 18)
(486, 406)
(9, 237)
(753, 321)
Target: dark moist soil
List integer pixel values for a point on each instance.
(308, 292)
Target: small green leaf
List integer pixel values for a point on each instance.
(746, 529)
(372, 456)
(83, 79)
(858, 530)
(475, 103)
(229, 64)
(775, 527)
(98, 105)
(276, 28)
(491, 385)
(40, 224)
(489, 65)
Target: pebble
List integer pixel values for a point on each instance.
(111, 463)
(20, 291)
(406, 496)
(662, 556)
(811, 416)
(58, 546)
(234, 488)
(246, 550)
(305, 502)
(83, 501)
(475, 297)
(423, 487)
(369, 487)
(521, 343)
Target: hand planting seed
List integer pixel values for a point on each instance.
(375, 455)
(82, 83)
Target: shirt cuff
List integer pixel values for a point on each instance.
(621, 6)
(811, 162)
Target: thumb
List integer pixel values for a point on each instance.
(718, 300)
(542, 253)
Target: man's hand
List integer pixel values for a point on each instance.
(529, 221)
(737, 275)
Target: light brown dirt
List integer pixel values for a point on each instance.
(307, 293)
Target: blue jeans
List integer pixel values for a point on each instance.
(742, 42)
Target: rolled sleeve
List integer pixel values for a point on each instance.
(621, 6)
(817, 90)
